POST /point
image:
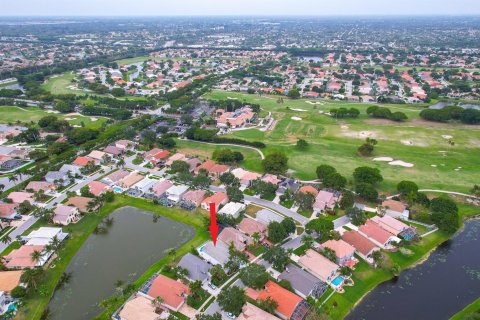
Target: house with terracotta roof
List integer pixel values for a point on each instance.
(20, 196)
(113, 151)
(98, 156)
(343, 251)
(377, 235)
(21, 258)
(289, 305)
(9, 280)
(81, 203)
(83, 161)
(236, 119)
(231, 235)
(207, 165)
(125, 144)
(250, 226)
(160, 188)
(394, 208)
(362, 245)
(308, 189)
(116, 176)
(173, 293)
(217, 170)
(394, 226)
(139, 308)
(65, 215)
(219, 199)
(130, 180)
(175, 157)
(155, 155)
(251, 312)
(194, 197)
(9, 211)
(325, 200)
(97, 188)
(246, 177)
(35, 186)
(271, 178)
(318, 265)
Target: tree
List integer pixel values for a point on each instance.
(232, 299)
(118, 92)
(366, 149)
(335, 181)
(227, 156)
(366, 191)
(445, 214)
(85, 192)
(229, 180)
(377, 257)
(278, 257)
(18, 292)
(264, 189)
(347, 200)
(407, 187)
(289, 225)
(201, 181)
(218, 275)
(6, 239)
(293, 94)
(305, 200)
(179, 166)
(276, 163)
(357, 216)
(36, 256)
(321, 226)
(236, 259)
(185, 177)
(31, 277)
(302, 144)
(269, 305)
(196, 291)
(235, 194)
(325, 170)
(276, 232)
(367, 175)
(254, 276)
(308, 240)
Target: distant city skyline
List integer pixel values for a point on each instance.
(244, 7)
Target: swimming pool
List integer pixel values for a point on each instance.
(337, 281)
(117, 189)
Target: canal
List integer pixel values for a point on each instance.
(444, 284)
(123, 249)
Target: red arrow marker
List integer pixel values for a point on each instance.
(213, 224)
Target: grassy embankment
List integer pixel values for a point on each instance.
(37, 300)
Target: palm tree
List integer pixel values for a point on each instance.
(36, 256)
(256, 238)
(31, 276)
(2, 186)
(6, 239)
(307, 240)
(120, 163)
(13, 178)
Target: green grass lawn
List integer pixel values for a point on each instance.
(472, 312)
(366, 278)
(11, 114)
(252, 159)
(335, 142)
(37, 300)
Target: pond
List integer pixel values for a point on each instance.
(124, 251)
(444, 284)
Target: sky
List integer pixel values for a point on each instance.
(237, 7)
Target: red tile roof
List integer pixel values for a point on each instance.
(286, 300)
(172, 292)
(361, 244)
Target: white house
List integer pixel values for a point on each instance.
(232, 209)
(175, 193)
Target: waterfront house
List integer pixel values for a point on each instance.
(198, 269)
(362, 245)
(175, 193)
(343, 251)
(173, 293)
(65, 215)
(303, 283)
(318, 265)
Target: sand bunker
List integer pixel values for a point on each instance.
(94, 119)
(401, 163)
(447, 137)
(433, 165)
(387, 159)
(296, 118)
(231, 98)
(313, 103)
(72, 114)
(301, 110)
(70, 119)
(407, 142)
